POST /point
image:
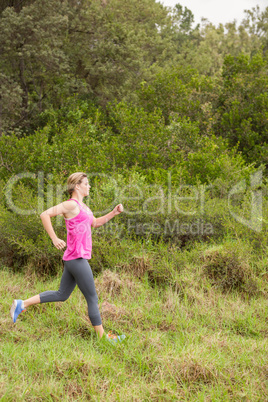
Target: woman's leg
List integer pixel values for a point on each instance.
(82, 273)
(67, 285)
(31, 301)
(99, 330)
(75, 271)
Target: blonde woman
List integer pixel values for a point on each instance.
(79, 219)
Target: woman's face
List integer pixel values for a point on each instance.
(84, 187)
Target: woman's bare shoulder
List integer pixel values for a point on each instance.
(69, 205)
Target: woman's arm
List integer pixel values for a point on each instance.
(97, 222)
(45, 216)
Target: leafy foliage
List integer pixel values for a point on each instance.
(243, 105)
(161, 114)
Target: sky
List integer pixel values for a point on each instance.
(218, 11)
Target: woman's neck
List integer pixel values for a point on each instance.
(77, 197)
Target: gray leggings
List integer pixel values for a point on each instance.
(76, 272)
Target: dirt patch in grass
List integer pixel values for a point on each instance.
(263, 370)
(166, 327)
(74, 390)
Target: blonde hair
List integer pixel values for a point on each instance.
(73, 180)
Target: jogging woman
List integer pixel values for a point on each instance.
(78, 219)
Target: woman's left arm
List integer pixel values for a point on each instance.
(97, 222)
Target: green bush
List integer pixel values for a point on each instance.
(155, 210)
(23, 240)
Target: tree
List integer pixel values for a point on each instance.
(208, 46)
(113, 46)
(256, 23)
(243, 105)
(51, 49)
(32, 59)
(176, 91)
(15, 4)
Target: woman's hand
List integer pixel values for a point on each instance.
(118, 209)
(97, 222)
(59, 244)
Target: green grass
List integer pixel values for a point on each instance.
(187, 340)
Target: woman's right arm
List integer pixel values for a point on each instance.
(46, 220)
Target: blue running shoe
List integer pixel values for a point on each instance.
(16, 309)
(114, 339)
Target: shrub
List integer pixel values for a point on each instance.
(228, 269)
(23, 240)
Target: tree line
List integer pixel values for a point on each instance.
(145, 55)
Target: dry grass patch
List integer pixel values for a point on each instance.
(74, 391)
(69, 367)
(188, 370)
(139, 265)
(159, 271)
(192, 372)
(110, 283)
(112, 312)
(228, 270)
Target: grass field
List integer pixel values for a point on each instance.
(187, 341)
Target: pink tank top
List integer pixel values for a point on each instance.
(79, 242)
